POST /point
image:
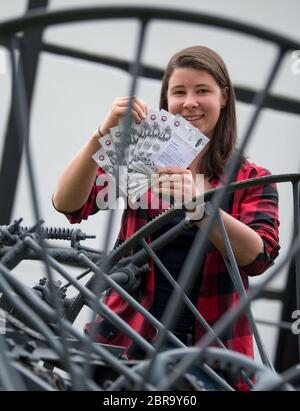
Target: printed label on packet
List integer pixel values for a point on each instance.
(183, 147)
(148, 130)
(115, 135)
(161, 140)
(109, 147)
(133, 137)
(103, 161)
(158, 133)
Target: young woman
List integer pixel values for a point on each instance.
(197, 86)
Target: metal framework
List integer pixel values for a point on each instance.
(40, 320)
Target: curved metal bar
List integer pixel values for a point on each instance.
(107, 263)
(288, 376)
(135, 68)
(221, 325)
(34, 320)
(23, 124)
(234, 273)
(227, 360)
(243, 94)
(37, 19)
(9, 379)
(92, 301)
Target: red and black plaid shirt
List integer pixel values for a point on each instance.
(257, 207)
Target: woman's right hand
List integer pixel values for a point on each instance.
(119, 108)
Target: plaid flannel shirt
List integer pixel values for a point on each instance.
(257, 207)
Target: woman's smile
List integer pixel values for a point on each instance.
(196, 96)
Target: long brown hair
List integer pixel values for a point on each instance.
(224, 138)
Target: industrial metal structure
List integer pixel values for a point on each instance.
(40, 340)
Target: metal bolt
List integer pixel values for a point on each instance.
(106, 384)
(43, 281)
(30, 346)
(10, 344)
(62, 292)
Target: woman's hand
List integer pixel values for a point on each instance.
(178, 183)
(119, 108)
(183, 185)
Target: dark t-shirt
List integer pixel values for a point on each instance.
(173, 256)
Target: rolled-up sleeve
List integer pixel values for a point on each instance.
(259, 210)
(90, 207)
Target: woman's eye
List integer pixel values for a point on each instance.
(202, 91)
(178, 92)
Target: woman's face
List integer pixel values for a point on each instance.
(196, 96)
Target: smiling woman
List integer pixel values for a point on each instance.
(196, 82)
(196, 95)
(197, 86)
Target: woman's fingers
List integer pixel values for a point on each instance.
(119, 109)
(138, 105)
(141, 104)
(172, 175)
(173, 170)
(137, 111)
(136, 100)
(176, 182)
